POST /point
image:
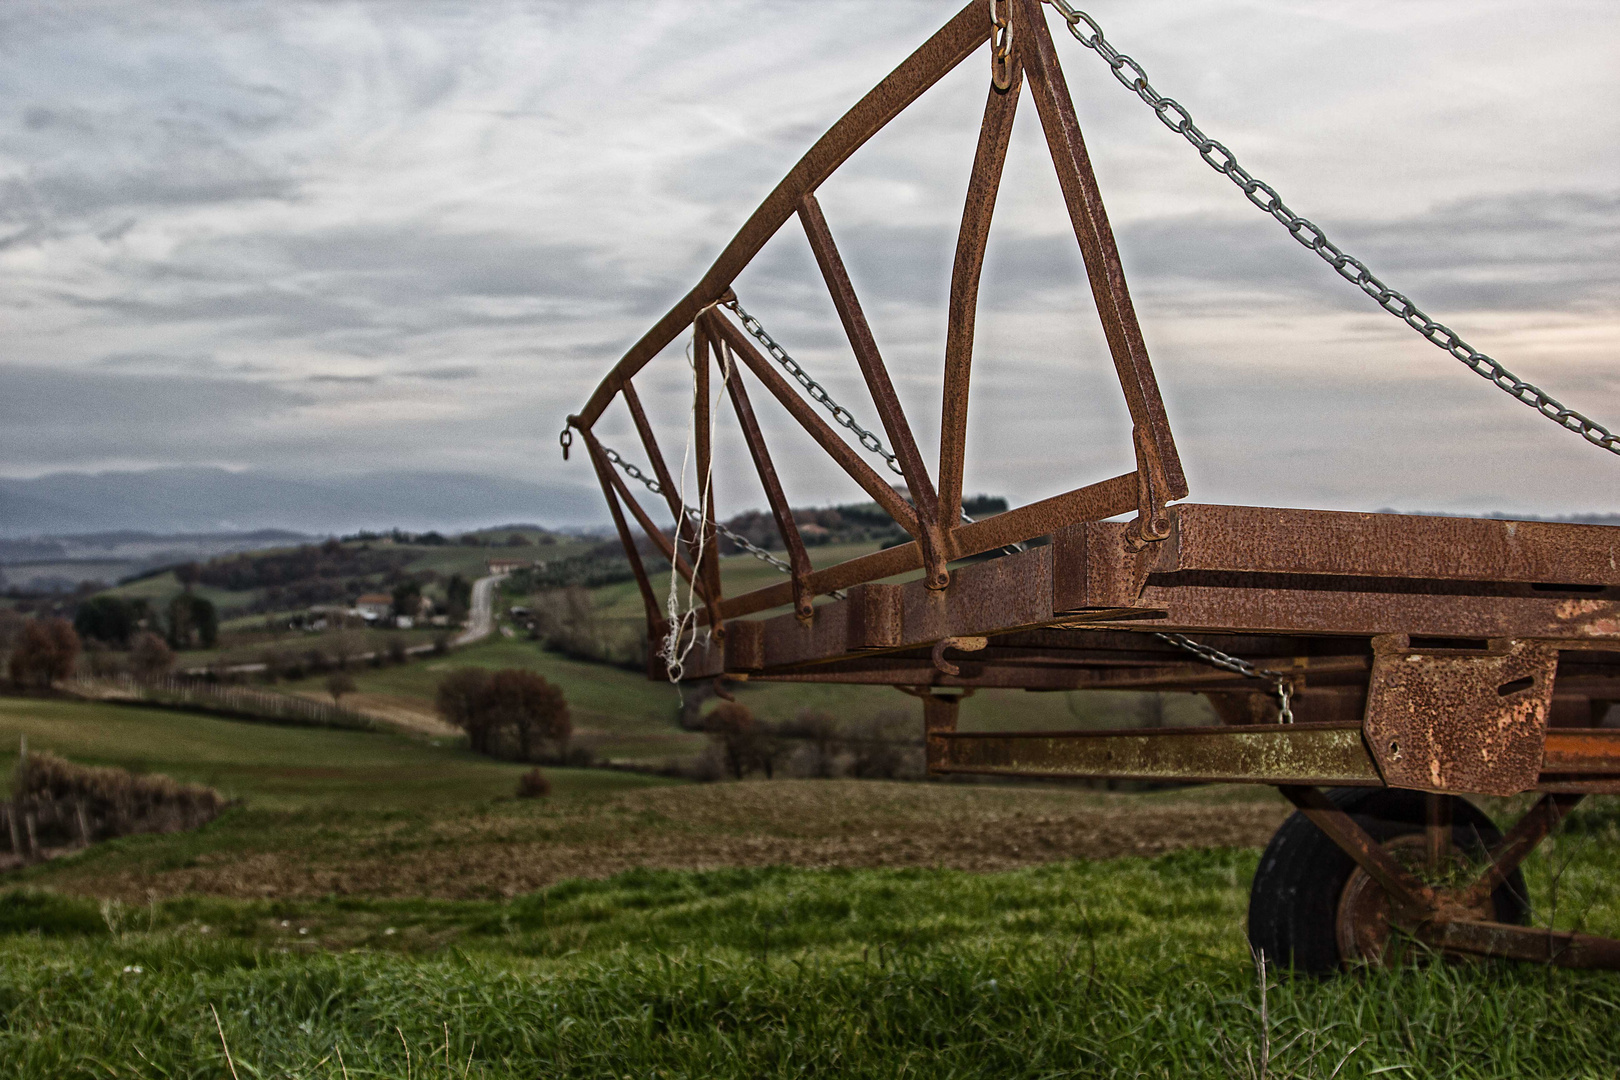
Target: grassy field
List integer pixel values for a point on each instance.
(1127, 968)
(381, 906)
(623, 715)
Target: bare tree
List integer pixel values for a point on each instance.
(460, 700)
(338, 683)
(534, 708)
(150, 656)
(46, 651)
(735, 735)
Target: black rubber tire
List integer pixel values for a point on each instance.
(1293, 904)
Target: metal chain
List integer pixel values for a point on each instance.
(632, 472)
(1281, 685)
(1174, 116)
(692, 513)
(1001, 36)
(818, 394)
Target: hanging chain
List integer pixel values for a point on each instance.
(1174, 116)
(634, 473)
(1001, 36)
(1281, 685)
(696, 518)
(817, 392)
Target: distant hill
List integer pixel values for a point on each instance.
(211, 500)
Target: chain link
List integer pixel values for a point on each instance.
(1281, 685)
(817, 392)
(1001, 37)
(1175, 116)
(631, 470)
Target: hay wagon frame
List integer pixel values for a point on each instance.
(1418, 659)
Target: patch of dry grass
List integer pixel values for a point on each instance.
(507, 848)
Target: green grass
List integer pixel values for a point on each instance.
(631, 717)
(277, 769)
(1126, 968)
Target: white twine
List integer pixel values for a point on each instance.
(673, 653)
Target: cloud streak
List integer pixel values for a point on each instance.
(391, 234)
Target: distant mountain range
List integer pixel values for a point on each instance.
(212, 500)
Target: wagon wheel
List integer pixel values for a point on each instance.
(1313, 909)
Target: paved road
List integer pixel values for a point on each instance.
(480, 624)
(481, 619)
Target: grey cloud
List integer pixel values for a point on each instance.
(49, 415)
(1523, 251)
(448, 373)
(363, 380)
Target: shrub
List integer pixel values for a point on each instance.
(533, 785)
(68, 802)
(741, 743)
(45, 651)
(338, 683)
(396, 651)
(193, 622)
(488, 706)
(111, 620)
(151, 658)
(459, 701)
(532, 707)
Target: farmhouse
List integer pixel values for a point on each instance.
(507, 566)
(374, 605)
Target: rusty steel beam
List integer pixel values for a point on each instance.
(995, 133)
(840, 451)
(708, 555)
(653, 533)
(1116, 495)
(1257, 754)
(1558, 948)
(649, 602)
(1582, 750)
(1405, 890)
(921, 487)
(684, 530)
(954, 42)
(786, 527)
(1520, 841)
(1268, 540)
(1097, 245)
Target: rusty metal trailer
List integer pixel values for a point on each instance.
(1391, 664)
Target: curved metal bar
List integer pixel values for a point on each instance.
(954, 42)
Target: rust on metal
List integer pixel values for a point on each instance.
(995, 134)
(1405, 891)
(1530, 943)
(1260, 754)
(1522, 839)
(1453, 720)
(955, 42)
(1442, 654)
(920, 485)
(786, 527)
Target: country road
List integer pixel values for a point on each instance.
(481, 619)
(480, 624)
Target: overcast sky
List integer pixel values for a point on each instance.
(336, 236)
